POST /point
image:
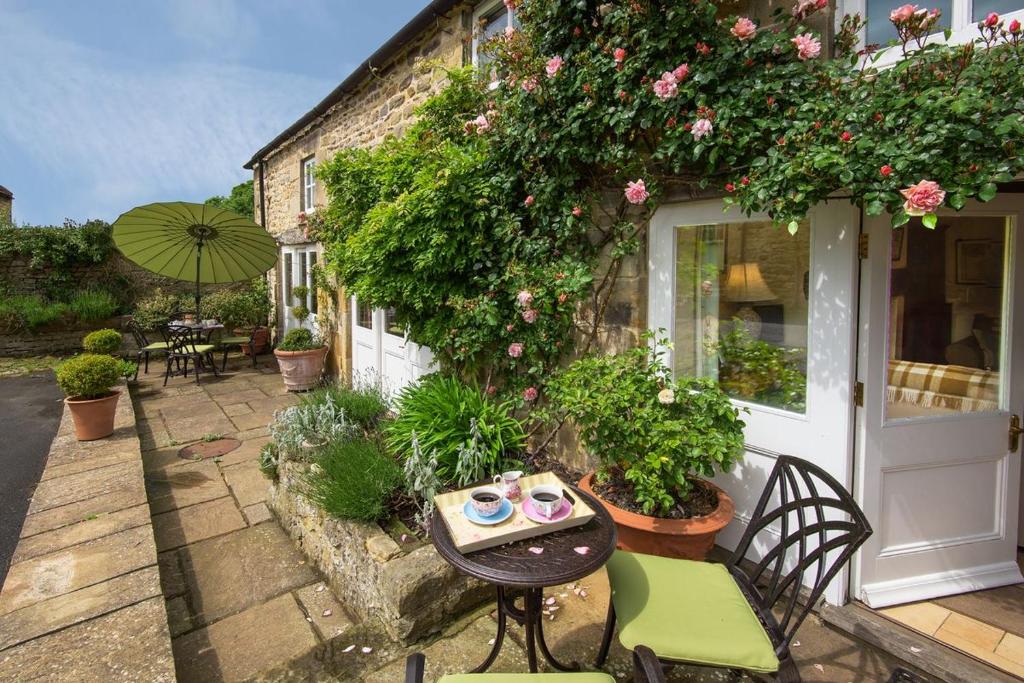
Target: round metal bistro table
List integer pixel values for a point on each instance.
(514, 570)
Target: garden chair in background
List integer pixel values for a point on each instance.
(144, 347)
(739, 615)
(226, 343)
(646, 669)
(183, 347)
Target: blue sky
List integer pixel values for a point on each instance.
(108, 104)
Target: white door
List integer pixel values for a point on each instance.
(381, 351)
(770, 315)
(297, 264)
(941, 358)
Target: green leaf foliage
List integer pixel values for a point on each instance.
(363, 403)
(106, 341)
(88, 376)
(240, 201)
(300, 339)
(353, 479)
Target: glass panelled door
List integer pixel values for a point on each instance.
(382, 352)
(940, 358)
(297, 264)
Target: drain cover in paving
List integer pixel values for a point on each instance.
(204, 450)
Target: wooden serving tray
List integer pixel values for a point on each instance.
(468, 536)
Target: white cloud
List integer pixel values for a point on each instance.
(116, 136)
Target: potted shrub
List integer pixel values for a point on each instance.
(654, 439)
(300, 357)
(105, 341)
(86, 380)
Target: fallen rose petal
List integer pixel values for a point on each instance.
(404, 536)
(820, 668)
(796, 643)
(349, 648)
(309, 619)
(554, 607)
(491, 641)
(582, 550)
(563, 595)
(549, 601)
(583, 594)
(551, 618)
(327, 613)
(536, 551)
(367, 650)
(320, 588)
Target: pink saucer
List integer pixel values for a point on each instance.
(531, 512)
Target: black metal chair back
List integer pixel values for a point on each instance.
(137, 334)
(812, 529)
(181, 339)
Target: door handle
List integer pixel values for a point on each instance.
(1015, 432)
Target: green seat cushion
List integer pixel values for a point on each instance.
(584, 677)
(234, 340)
(687, 611)
(155, 346)
(199, 348)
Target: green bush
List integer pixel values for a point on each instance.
(363, 404)
(311, 424)
(158, 308)
(441, 412)
(106, 341)
(29, 312)
(242, 307)
(655, 431)
(93, 304)
(299, 339)
(353, 480)
(89, 375)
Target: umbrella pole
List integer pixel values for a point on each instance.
(199, 258)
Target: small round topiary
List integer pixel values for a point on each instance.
(299, 339)
(88, 376)
(106, 341)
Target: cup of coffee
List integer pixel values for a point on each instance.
(546, 499)
(486, 500)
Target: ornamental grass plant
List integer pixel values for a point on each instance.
(353, 479)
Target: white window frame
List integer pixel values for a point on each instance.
(308, 182)
(963, 29)
(485, 8)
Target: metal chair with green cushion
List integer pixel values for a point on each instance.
(183, 347)
(226, 343)
(646, 668)
(144, 347)
(741, 615)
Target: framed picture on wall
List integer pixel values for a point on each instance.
(979, 262)
(899, 247)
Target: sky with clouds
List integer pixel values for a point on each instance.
(108, 104)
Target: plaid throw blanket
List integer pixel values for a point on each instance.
(943, 386)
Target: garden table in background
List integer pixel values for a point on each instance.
(202, 332)
(513, 569)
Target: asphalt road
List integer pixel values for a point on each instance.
(30, 410)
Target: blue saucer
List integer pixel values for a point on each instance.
(503, 513)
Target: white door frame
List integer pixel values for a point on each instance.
(892, 567)
(824, 434)
(301, 258)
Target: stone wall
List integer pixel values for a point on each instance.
(6, 208)
(410, 590)
(382, 105)
(53, 340)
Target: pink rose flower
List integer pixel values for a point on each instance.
(1014, 27)
(804, 8)
(619, 54)
(636, 192)
(509, 327)
(807, 46)
(991, 20)
(530, 84)
(681, 72)
(563, 297)
(744, 29)
(509, 32)
(529, 200)
(701, 128)
(553, 65)
(515, 349)
(530, 315)
(577, 211)
(902, 14)
(511, 4)
(492, 390)
(480, 123)
(665, 87)
(525, 298)
(530, 394)
(923, 197)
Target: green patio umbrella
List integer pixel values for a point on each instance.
(195, 242)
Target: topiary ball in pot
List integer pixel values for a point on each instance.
(86, 380)
(105, 341)
(300, 356)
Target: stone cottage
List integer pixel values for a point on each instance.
(6, 204)
(908, 345)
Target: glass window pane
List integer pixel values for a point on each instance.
(945, 317)
(982, 8)
(490, 24)
(741, 310)
(364, 315)
(880, 30)
(390, 325)
(303, 278)
(288, 280)
(314, 300)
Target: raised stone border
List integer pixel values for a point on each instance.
(82, 600)
(412, 593)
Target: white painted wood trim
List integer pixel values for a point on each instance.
(940, 584)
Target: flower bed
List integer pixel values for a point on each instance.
(406, 586)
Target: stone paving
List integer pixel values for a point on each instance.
(240, 598)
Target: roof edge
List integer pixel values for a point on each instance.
(414, 27)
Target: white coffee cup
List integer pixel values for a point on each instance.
(491, 503)
(549, 501)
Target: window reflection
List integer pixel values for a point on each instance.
(880, 30)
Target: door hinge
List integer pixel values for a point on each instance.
(862, 245)
(858, 394)
(1015, 432)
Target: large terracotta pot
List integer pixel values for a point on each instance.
(301, 370)
(93, 418)
(688, 539)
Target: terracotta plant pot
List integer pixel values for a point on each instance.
(688, 539)
(261, 340)
(93, 418)
(301, 370)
